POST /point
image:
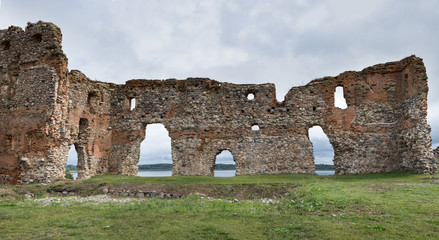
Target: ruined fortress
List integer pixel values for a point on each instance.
(45, 108)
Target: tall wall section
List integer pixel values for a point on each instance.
(384, 127)
(45, 110)
(33, 103)
(89, 123)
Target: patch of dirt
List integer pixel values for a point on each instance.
(432, 179)
(359, 209)
(238, 191)
(380, 188)
(7, 193)
(411, 183)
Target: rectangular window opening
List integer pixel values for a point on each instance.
(339, 100)
(132, 104)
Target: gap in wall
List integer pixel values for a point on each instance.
(339, 100)
(323, 150)
(155, 150)
(224, 163)
(132, 104)
(72, 161)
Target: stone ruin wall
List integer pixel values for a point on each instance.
(33, 97)
(436, 154)
(45, 109)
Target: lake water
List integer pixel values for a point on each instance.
(325, 172)
(218, 173)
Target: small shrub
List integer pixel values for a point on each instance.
(39, 192)
(69, 175)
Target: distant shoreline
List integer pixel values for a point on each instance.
(168, 167)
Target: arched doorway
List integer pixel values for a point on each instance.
(155, 152)
(72, 163)
(224, 164)
(323, 151)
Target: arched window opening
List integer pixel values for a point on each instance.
(155, 158)
(132, 104)
(224, 165)
(72, 163)
(339, 100)
(255, 127)
(250, 96)
(323, 151)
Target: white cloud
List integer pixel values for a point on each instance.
(207, 58)
(316, 133)
(72, 158)
(225, 157)
(315, 16)
(323, 150)
(346, 12)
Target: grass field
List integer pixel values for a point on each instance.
(373, 206)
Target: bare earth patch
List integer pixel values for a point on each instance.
(7, 192)
(238, 191)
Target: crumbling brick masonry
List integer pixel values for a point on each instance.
(44, 109)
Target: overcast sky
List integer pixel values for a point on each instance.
(288, 42)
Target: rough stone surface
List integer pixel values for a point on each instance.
(45, 109)
(436, 154)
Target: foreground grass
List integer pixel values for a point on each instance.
(374, 206)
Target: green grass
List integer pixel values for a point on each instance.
(372, 206)
(262, 178)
